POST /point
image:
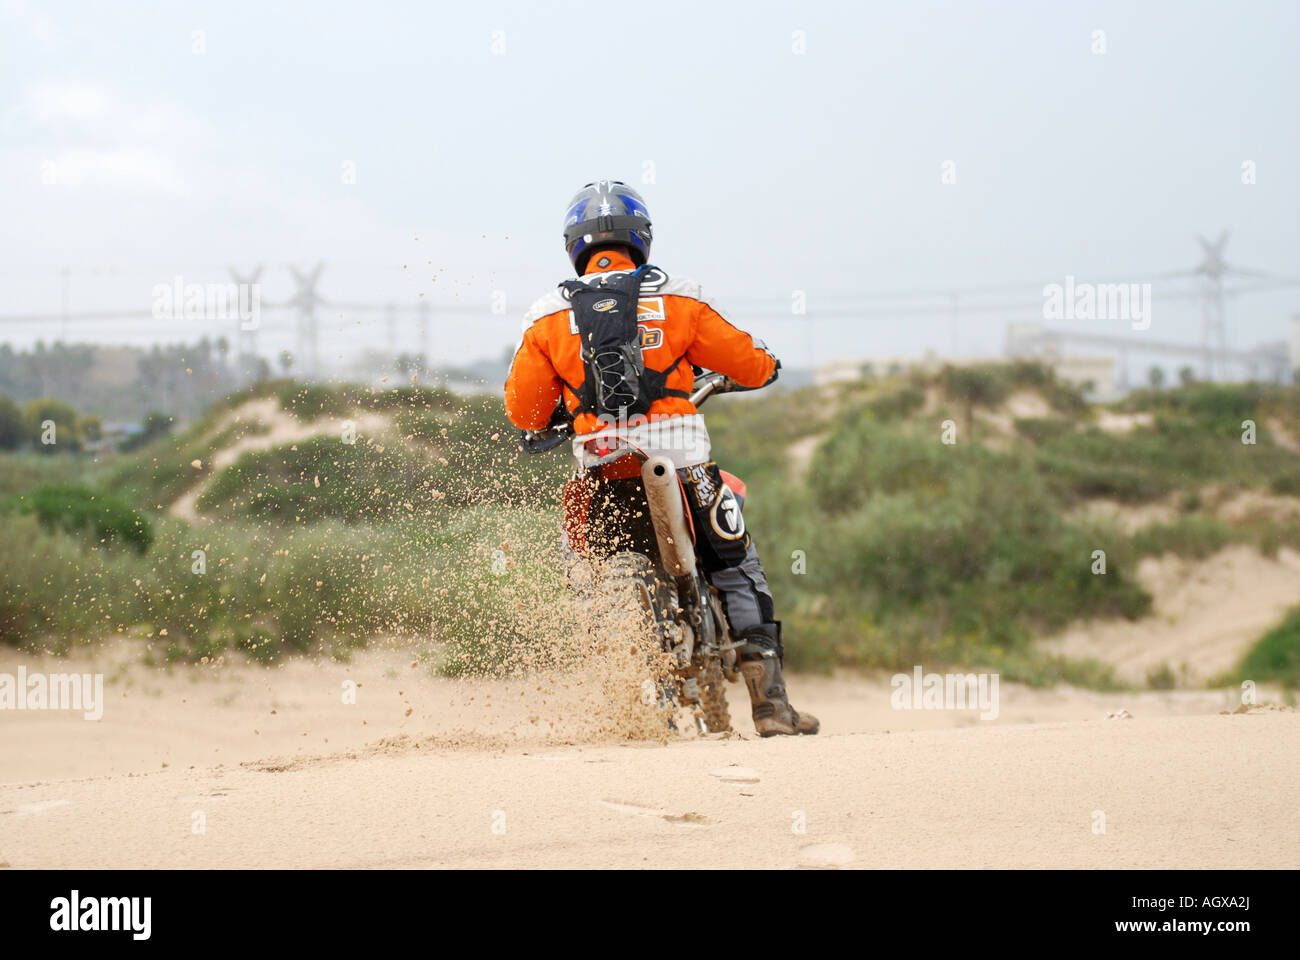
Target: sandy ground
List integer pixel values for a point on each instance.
(423, 771)
(1231, 508)
(1207, 615)
(1112, 422)
(1129, 518)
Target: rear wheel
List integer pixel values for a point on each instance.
(610, 592)
(713, 698)
(622, 603)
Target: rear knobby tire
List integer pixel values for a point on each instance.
(713, 697)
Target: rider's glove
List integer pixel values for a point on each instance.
(560, 415)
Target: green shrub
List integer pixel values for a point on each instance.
(1276, 657)
(1286, 484)
(865, 458)
(1218, 409)
(1040, 431)
(897, 404)
(920, 550)
(1193, 536)
(978, 386)
(1066, 398)
(105, 517)
(65, 430)
(1030, 374)
(24, 470)
(310, 402)
(1162, 678)
(154, 426)
(1139, 466)
(55, 592)
(411, 398)
(12, 430)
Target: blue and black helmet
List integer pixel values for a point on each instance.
(603, 212)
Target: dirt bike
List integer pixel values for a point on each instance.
(660, 568)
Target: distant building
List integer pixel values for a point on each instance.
(1273, 361)
(1096, 376)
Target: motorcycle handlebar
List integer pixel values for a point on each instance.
(711, 383)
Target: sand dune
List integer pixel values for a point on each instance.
(1207, 615)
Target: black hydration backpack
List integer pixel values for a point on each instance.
(617, 383)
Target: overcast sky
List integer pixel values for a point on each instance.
(780, 147)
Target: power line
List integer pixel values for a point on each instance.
(951, 302)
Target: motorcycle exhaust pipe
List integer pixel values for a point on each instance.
(664, 495)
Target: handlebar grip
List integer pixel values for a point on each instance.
(542, 440)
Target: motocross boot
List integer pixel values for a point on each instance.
(760, 664)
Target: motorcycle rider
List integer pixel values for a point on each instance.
(607, 236)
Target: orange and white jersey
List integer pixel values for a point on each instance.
(677, 324)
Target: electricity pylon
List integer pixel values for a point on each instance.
(307, 300)
(245, 339)
(1214, 339)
